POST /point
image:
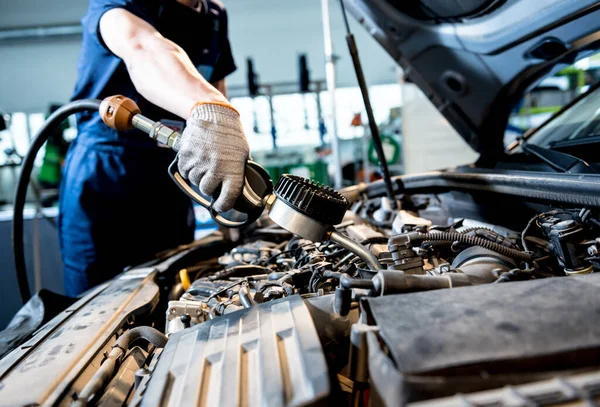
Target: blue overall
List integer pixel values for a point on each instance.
(118, 206)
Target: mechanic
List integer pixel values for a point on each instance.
(118, 206)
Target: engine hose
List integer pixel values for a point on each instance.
(25, 176)
(107, 369)
(356, 248)
(476, 241)
(245, 298)
(374, 240)
(348, 282)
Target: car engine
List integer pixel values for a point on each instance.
(335, 297)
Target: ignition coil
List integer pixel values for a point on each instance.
(567, 237)
(404, 257)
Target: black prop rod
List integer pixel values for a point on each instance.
(372, 125)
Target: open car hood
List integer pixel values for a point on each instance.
(475, 58)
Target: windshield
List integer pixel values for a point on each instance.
(578, 122)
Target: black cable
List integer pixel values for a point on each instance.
(476, 241)
(369, 109)
(270, 259)
(21, 194)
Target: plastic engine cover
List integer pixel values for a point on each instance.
(474, 338)
(267, 355)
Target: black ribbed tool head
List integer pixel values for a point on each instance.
(317, 201)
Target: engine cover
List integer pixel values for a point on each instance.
(475, 338)
(267, 355)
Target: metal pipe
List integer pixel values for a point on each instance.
(272, 117)
(142, 123)
(330, 77)
(356, 248)
(245, 297)
(18, 34)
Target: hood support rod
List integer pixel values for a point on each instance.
(372, 124)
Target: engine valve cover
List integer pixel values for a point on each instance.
(267, 355)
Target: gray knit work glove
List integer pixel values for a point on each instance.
(213, 151)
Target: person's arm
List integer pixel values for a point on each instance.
(212, 149)
(160, 70)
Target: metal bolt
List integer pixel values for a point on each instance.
(593, 250)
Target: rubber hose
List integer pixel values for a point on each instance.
(107, 369)
(374, 240)
(149, 334)
(356, 248)
(348, 282)
(476, 241)
(25, 176)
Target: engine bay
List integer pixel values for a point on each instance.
(385, 307)
(474, 285)
(414, 253)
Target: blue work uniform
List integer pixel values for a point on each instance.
(118, 206)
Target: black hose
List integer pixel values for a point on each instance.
(476, 241)
(374, 240)
(349, 282)
(41, 137)
(117, 352)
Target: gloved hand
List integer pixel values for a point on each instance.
(213, 151)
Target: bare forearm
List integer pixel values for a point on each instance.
(163, 74)
(160, 70)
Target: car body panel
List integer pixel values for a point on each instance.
(475, 70)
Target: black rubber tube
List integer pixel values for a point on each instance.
(475, 241)
(374, 240)
(21, 193)
(348, 282)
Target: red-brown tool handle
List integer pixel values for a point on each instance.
(117, 112)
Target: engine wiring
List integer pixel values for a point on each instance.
(273, 265)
